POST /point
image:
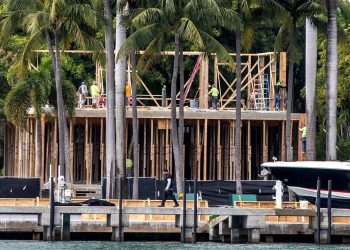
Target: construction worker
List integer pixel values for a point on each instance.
(82, 94)
(127, 94)
(303, 139)
(214, 93)
(277, 98)
(169, 189)
(95, 92)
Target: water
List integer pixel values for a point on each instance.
(92, 245)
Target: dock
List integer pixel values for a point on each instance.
(225, 223)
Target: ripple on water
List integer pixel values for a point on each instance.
(94, 245)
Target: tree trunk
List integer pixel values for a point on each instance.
(135, 130)
(289, 107)
(180, 168)
(61, 116)
(62, 120)
(331, 82)
(110, 120)
(174, 131)
(310, 86)
(38, 149)
(120, 77)
(238, 110)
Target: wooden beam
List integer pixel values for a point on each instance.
(265, 138)
(87, 152)
(218, 155)
(205, 149)
(71, 150)
(102, 153)
(249, 150)
(152, 151)
(144, 147)
(198, 151)
(203, 82)
(283, 142)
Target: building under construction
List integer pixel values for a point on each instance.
(209, 134)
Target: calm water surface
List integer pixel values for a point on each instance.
(92, 245)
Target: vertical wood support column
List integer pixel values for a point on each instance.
(283, 75)
(167, 155)
(144, 148)
(265, 143)
(233, 172)
(249, 150)
(273, 78)
(218, 155)
(43, 166)
(71, 149)
(87, 152)
(205, 149)
(203, 82)
(102, 148)
(152, 151)
(198, 153)
(55, 150)
(283, 142)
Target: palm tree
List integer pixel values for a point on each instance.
(120, 77)
(287, 38)
(58, 24)
(310, 87)
(110, 120)
(31, 91)
(331, 81)
(135, 130)
(166, 20)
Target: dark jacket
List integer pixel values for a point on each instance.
(166, 178)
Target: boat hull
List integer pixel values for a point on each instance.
(302, 179)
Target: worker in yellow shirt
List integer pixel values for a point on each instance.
(127, 94)
(95, 92)
(214, 93)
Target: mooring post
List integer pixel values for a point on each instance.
(52, 209)
(183, 229)
(120, 204)
(318, 207)
(195, 212)
(329, 212)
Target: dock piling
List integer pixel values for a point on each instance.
(318, 212)
(195, 212)
(183, 229)
(329, 212)
(52, 210)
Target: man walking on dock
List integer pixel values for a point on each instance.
(169, 189)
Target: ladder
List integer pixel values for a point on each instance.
(261, 92)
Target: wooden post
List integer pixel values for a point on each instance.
(233, 150)
(283, 75)
(55, 154)
(203, 82)
(152, 151)
(71, 149)
(205, 149)
(283, 144)
(144, 148)
(230, 151)
(249, 150)
(198, 151)
(42, 148)
(102, 148)
(87, 152)
(167, 156)
(265, 139)
(219, 170)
